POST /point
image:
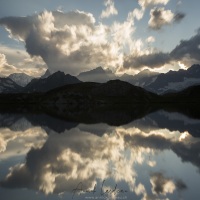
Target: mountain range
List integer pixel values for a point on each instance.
(98, 75)
(160, 83)
(175, 81)
(7, 85)
(53, 81)
(21, 79)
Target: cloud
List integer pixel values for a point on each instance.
(152, 60)
(19, 61)
(3, 144)
(160, 17)
(161, 185)
(146, 3)
(186, 52)
(110, 9)
(32, 66)
(189, 49)
(179, 16)
(21, 140)
(156, 141)
(63, 161)
(5, 68)
(150, 39)
(74, 42)
(70, 42)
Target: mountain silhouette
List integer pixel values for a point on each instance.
(21, 79)
(55, 80)
(98, 75)
(174, 81)
(143, 78)
(7, 85)
(46, 74)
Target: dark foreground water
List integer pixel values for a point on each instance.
(152, 158)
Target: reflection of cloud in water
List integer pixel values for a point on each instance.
(20, 141)
(162, 185)
(171, 121)
(75, 156)
(2, 145)
(67, 158)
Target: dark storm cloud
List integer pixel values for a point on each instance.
(154, 60)
(187, 51)
(154, 141)
(19, 26)
(189, 48)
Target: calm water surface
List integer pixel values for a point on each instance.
(156, 157)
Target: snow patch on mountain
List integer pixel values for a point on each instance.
(21, 78)
(177, 86)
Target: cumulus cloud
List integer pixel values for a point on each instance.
(69, 42)
(31, 66)
(156, 141)
(161, 184)
(110, 9)
(21, 140)
(3, 144)
(150, 39)
(146, 3)
(73, 42)
(160, 17)
(5, 68)
(19, 61)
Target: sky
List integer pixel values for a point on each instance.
(125, 36)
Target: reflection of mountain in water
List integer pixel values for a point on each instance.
(24, 121)
(15, 122)
(172, 121)
(144, 118)
(60, 120)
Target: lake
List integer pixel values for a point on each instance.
(156, 156)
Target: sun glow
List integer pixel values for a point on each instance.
(182, 66)
(183, 136)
